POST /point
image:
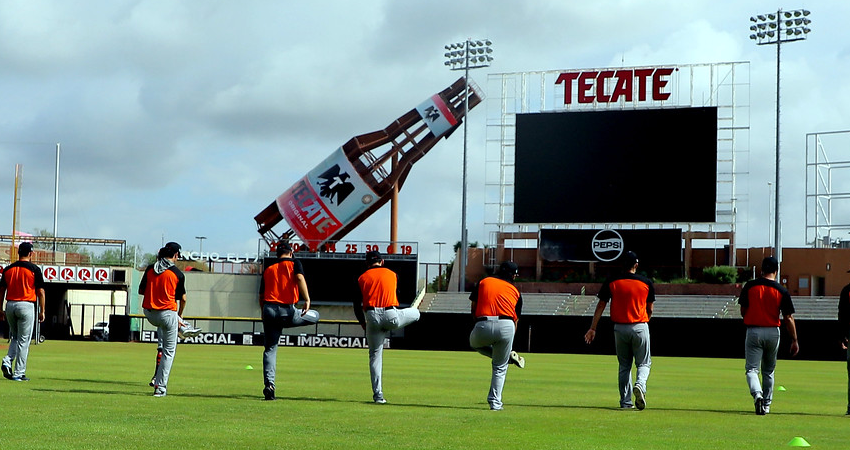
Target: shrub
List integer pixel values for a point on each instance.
(679, 281)
(720, 274)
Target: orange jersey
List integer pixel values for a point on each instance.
(280, 284)
(628, 294)
(495, 297)
(378, 287)
(161, 291)
(763, 300)
(22, 279)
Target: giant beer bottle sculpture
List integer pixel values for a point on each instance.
(358, 178)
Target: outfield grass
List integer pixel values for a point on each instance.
(95, 395)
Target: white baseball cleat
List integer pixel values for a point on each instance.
(186, 330)
(519, 361)
(640, 398)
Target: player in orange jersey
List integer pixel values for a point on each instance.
(631, 296)
(762, 300)
(496, 305)
(379, 314)
(22, 285)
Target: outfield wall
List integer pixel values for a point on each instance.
(222, 295)
(722, 338)
(227, 295)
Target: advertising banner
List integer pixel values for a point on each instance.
(304, 340)
(655, 247)
(330, 197)
(75, 274)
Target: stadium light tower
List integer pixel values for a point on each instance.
(778, 28)
(470, 54)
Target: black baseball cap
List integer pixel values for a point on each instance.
(373, 257)
(25, 248)
(629, 259)
(769, 265)
(174, 247)
(508, 268)
(283, 247)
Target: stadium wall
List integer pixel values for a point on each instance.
(718, 338)
(227, 295)
(212, 295)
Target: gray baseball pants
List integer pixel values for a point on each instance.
(631, 341)
(21, 318)
(379, 323)
(166, 323)
(276, 317)
(494, 338)
(761, 347)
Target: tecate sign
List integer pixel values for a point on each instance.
(607, 245)
(612, 86)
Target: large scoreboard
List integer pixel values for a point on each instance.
(617, 166)
(332, 273)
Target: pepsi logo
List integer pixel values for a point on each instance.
(607, 245)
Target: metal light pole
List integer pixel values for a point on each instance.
(776, 28)
(56, 204)
(769, 204)
(470, 54)
(201, 243)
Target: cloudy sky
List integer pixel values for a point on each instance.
(184, 119)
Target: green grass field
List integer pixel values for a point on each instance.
(95, 395)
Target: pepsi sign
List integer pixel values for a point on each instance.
(607, 245)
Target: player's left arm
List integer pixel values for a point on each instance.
(650, 299)
(518, 307)
(591, 333)
(844, 316)
(791, 326)
(473, 299)
(181, 302)
(41, 301)
(180, 291)
(302, 291)
(357, 304)
(2, 300)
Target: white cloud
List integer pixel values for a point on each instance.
(187, 118)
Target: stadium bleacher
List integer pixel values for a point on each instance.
(683, 306)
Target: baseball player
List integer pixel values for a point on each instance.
(184, 330)
(162, 285)
(281, 287)
(762, 300)
(496, 305)
(632, 297)
(22, 286)
(844, 326)
(378, 314)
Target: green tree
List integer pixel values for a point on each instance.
(143, 260)
(131, 256)
(60, 247)
(441, 282)
(471, 245)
